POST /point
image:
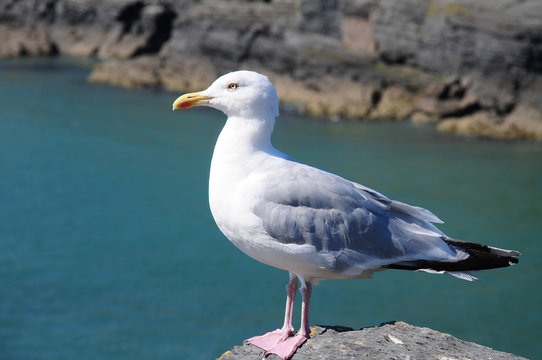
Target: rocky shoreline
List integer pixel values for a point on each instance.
(394, 340)
(472, 67)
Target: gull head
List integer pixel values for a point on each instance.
(246, 94)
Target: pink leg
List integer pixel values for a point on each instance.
(272, 338)
(306, 292)
(287, 348)
(291, 290)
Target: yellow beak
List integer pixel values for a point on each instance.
(186, 101)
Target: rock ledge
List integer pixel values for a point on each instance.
(394, 340)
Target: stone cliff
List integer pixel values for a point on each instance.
(396, 340)
(472, 66)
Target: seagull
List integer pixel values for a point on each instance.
(312, 223)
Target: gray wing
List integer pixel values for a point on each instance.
(305, 205)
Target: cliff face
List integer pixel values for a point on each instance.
(474, 66)
(396, 340)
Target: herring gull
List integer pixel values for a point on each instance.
(314, 224)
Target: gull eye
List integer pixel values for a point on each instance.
(233, 86)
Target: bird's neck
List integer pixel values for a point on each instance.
(242, 146)
(243, 136)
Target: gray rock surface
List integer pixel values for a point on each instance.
(395, 340)
(474, 66)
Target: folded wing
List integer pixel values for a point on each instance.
(360, 227)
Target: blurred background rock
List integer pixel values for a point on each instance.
(474, 67)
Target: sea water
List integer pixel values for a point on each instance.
(108, 249)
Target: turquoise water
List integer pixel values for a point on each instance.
(108, 249)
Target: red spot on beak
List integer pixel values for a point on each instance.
(185, 105)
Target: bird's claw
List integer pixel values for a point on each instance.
(269, 340)
(287, 348)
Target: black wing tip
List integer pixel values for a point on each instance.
(481, 257)
(486, 250)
